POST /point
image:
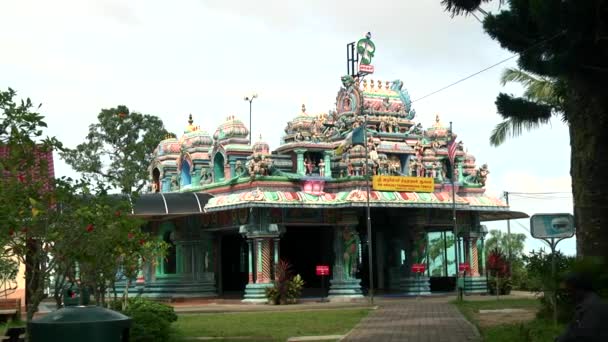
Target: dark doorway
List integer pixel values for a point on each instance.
(234, 263)
(443, 284)
(305, 248)
(171, 258)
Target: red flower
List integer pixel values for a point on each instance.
(142, 242)
(130, 236)
(11, 232)
(90, 227)
(117, 213)
(21, 178)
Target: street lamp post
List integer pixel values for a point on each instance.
(250, 100)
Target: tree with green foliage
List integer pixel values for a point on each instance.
(437, 250)
(30, 220)
(537, 89)
(118, 149)
(498, 239)
(53, 225)
(567, 41)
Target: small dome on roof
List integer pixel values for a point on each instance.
(195, 137)
(170, 145)
(438, 129)
(303, 121)
(261, 147)
(231, 128)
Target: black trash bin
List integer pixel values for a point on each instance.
(80, 323)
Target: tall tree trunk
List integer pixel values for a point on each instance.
(588, 117)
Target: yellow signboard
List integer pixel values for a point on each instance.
(403, 184)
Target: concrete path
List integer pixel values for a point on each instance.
(414, 320)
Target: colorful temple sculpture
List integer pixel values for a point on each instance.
(305, 202)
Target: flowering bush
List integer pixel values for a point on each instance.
(499, 281)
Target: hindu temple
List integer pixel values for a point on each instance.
(305, 202)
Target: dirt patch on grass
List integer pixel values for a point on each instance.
(490, 319)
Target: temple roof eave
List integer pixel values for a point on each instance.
(354, 198)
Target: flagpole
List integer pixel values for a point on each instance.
(454, 226)
(368, 212)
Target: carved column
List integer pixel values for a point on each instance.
(258, 259)
(300, 162)
(474, 258)
(277, 253)
(327, 161)
(250, 260)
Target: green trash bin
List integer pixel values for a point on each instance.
(80, 323)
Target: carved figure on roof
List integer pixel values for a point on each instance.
(436, 144)
(483, 174)
(415, 129)
(419, 149)
(299, 137)
(238, 168)
(386, 104)
(382, 125)
(206, 176)
(259, 165)
(397, 86)
(309, 166)
(460, 146)
(347, 81)
(289, 128)
(413, 165)
(321, 166)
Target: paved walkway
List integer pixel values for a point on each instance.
(414, 320)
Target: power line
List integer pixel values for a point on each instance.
(488, 68)
(538, 193)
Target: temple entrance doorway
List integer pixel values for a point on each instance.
(233, 264)
(441, 261)
(305, 247)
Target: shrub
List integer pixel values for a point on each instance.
(151, 320)
(287, 289)
(499, 273)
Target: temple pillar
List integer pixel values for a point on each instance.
(300, 162)
(250, 269)
(327, 161)
(344, 285)
(475, 282)
(277, 253)
(474, 258)
(262, 240)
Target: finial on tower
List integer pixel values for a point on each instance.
(303, 109)
(190, 121)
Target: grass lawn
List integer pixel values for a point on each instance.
(509, 327)
(268, 326)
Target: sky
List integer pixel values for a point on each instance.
(203, 57)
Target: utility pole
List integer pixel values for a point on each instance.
(250, 100)
(506, 193)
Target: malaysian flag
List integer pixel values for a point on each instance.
(452, 150)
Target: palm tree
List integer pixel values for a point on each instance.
(538, 90)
